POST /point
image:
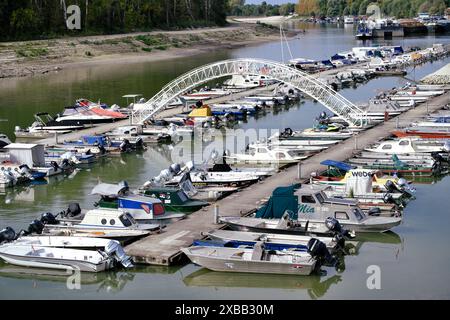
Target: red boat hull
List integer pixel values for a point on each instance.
(421, 134)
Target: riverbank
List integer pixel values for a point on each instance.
(29, 58)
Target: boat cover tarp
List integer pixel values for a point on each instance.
(282, 199)
(338, 164)
(109, 189)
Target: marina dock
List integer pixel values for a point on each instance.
(164, 248)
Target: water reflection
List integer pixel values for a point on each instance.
(109, 282)
(315, 285)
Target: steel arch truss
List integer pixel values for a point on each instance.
(319, 91)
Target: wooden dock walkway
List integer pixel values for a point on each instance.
(164, 248)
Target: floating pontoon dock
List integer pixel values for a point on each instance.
(164, 248)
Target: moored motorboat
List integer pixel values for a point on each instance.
(255, 260)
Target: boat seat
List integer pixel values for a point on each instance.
(258, 251)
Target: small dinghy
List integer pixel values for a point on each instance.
(254, 260)
(226, 236)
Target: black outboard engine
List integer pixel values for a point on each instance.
(125, 146)
(7, 234)
(437, 157)
(391, 187)
(375, 211)
(36, 226)
(335, 227)
(388, 198)
(318, 250)
(55, 165)
(73, 210)
(48, 218)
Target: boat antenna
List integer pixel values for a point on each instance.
(281, 44)
(284, 38)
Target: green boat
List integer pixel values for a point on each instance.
(175, 199)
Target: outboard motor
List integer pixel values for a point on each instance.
(335, 227)
(438, 157)
(175, 168)
(55, 165)
(73, 210)
(318, 250)
(114, 249)
(7, 234)
(48, 218)
(36, 226)
(125, 145)
(388, 198)
(391, 187)
(375, 211)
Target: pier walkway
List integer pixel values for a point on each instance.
(164, 248)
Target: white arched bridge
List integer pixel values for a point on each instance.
(316, 89)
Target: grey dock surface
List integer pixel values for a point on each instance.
(164, 248)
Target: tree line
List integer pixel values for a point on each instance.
(34, 19)
(240, 8)
(395, 8)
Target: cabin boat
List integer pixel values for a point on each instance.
(311, 209)
(103, 223)
(205, 94)
(338, 173)
(174, 199)
(403, 146)
(255, 260)
(143, 209)
(267, 155)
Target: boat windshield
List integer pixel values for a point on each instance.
(183, 197)
(320, 198)
(127, 219)
(358, 214)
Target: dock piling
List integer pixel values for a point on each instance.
(216, 214)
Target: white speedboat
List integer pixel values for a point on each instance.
(55, 258)
(267, 155)
(403, 146)
(102, 223)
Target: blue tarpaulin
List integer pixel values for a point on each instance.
(340, 165)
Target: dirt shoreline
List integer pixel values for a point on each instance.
(23, 59)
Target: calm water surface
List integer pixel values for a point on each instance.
(414, 259)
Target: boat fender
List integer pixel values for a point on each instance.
(7, 234)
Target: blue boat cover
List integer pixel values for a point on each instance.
(250, 244)
(282, 199)
(338, 164)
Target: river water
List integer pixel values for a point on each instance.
(414, 259)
